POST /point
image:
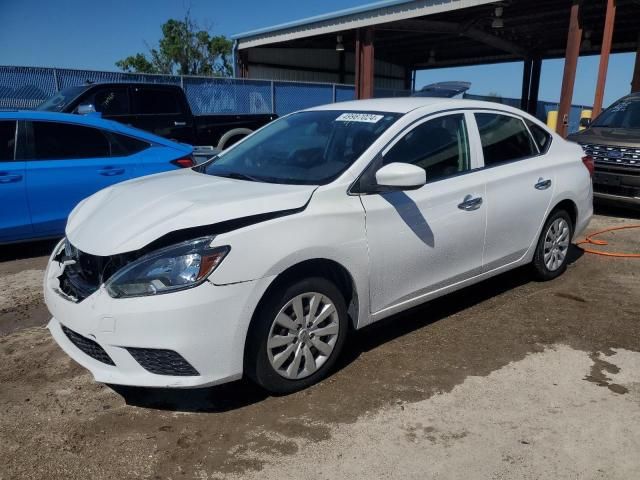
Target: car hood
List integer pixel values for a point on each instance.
(622, 137)
(130, 215)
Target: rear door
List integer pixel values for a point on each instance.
(520, 182)
(163, 112)
(65, 164)
(15, 222)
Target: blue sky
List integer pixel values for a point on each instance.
(93, 34)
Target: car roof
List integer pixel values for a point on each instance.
(91, 121)
(407, 104)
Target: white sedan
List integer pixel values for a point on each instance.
(260, 261)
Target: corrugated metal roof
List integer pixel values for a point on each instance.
(365, 15)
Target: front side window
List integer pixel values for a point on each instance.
(311, 147)
(156, 101)
(60, 141)
(504, 138)
(7, 140)
(111, 101)
(439, 146)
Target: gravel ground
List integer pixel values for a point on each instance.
(506, 379)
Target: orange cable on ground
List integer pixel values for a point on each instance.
(589, 240)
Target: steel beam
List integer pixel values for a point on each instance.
(534, 88)
(570, 64)
(365, 63)
(635, 81)
(526, 83)
(604, 57)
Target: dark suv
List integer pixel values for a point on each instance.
(613, 140)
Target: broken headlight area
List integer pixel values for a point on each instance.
(140, 273)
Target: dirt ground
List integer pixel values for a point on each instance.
(506, 379)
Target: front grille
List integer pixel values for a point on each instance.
(88, 346)
(613, 155)
(162, 362)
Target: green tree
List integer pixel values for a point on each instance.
(184, 49)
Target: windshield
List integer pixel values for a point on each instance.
(622, 114)
(309, 148)
(61, 99)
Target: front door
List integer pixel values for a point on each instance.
(426, 239)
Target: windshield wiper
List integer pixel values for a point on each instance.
(237, 176)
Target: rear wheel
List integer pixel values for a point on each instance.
(552, 252)
(296, 336)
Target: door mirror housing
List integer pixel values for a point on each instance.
(401, 176)
(585, 122)
(87, 109)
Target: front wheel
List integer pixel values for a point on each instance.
(552, 252)
(296, 336)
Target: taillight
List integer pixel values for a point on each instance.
(588, 162)
(184, 162)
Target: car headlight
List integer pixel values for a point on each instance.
(178, 267)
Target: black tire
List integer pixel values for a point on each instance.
(541, 270)
(257, 363)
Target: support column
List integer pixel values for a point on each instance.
(364, 58)
(570, 64)
(526, 83)
(408, 75)
(534, 89)
(604, 57)
(243, 64)
(635, 81)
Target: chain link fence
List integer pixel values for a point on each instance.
(27, 87)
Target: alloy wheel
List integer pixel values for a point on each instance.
(556, 244)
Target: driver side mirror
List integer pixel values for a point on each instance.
(585, 122)
(401, 176)
(86, 109)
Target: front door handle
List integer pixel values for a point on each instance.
(542, 184)
(9, 178)
(110, 171)
(179, 124)
(470, 203)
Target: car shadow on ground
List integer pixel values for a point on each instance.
(610, 209)
(242, 393)
(27, 250)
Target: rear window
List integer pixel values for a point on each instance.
(60, 141)
(504, 138)
(156, 101)
(123, 146)
(7, 140)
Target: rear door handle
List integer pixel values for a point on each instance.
(9, 178)
(542, 184)
(111, 171)
(470, 203)
(179, 124)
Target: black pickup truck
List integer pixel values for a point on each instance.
(157, 108)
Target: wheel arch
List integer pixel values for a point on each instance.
(242, 132)
(570, 207)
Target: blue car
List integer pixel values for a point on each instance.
(51, 161)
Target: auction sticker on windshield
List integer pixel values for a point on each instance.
(359, 117)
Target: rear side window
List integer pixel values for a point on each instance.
(156, 101)
(540, 135)
(504, 138)
(111, 101)
(60, 141)
(7, 140)
(123, 146)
